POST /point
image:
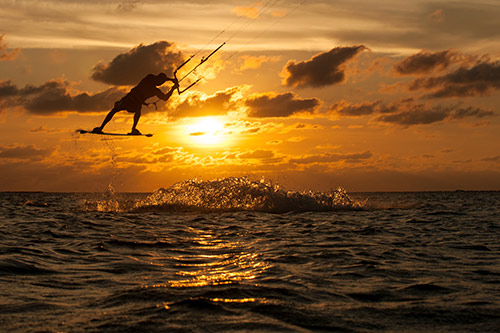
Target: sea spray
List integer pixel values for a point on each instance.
(228, 195)
(110, 202)
(242, 194)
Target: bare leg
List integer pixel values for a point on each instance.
(137, 116)
(109, 116)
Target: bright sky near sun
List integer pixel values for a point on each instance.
(367, 95)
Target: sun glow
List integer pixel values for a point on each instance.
(207, 131)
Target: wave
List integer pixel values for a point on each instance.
(232, 194)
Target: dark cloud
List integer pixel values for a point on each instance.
(56, 96)
(425, 62)
(477, 80)
(195, 106)
(344, 108)
(6, 55)
(330, 158)
(321, 70)
(406, 112)
(415, 117)
(282, 105)
(419, 114)
(23, 152)
(7, 89)
(127, 6)
(491, 159)
(471, 112)
(130, 67)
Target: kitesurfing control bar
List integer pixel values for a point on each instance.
(200, 63)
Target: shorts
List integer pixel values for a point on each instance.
(129, 103)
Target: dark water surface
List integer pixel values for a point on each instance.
(403, 262)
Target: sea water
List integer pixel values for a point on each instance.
(240, 255)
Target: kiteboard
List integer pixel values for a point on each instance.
(82, 131)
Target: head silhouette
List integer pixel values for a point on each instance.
(161, 78)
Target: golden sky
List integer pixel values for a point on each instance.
(367, 95)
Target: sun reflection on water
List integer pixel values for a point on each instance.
(230, 266)
(211, 261)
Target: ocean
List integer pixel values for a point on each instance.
(235, 255)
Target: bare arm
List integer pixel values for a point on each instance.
(166, 96)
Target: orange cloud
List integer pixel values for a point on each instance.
(257, 154)
(279, 13)
(250, 12)
(4, 54)
(198, 105)
(437, 16)
(254, 62)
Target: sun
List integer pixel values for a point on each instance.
(207, 131)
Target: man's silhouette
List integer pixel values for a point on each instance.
(133, 101)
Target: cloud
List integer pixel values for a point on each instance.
(163, 155)
(197, 105)
(281, 105)
(477, 80)
(495, 158)
(250, 12)
(344, 108)
(321, 70)
(254, 62)
(7, 91)
(437, 16)
(127, 6)
(257, 154)
(56, 96)
(418, 114)
(455, 23)
(251, 130)
(4, 55)
(43, 129)
(250, 127)
(130, 67)
(23, 152)
(425, 62)
(471, 112)
(332, 157)
(7, 88)
(406, 112)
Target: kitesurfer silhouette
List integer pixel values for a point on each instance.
(133, 101)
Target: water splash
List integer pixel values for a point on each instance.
(110, 202)
(243, 194)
